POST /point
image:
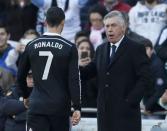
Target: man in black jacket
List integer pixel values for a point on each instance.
(122, 69)
(54, 64)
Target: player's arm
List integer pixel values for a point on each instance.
(74, 79)
(23, 68)
(75, 85)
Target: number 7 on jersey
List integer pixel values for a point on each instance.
(48, 63)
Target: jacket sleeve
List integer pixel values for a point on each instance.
(13, 107)
(144, 79)
(23, 68)
(21, 116)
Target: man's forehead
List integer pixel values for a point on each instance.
(110, 20)
(2, 30)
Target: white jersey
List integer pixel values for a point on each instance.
(148, 22)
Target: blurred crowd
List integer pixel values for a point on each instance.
(21, 21)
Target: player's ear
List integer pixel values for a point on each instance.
(62, 23)
(61, 26)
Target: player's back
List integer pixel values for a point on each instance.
(50, 59)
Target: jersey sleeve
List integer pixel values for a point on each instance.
(74, 79)
(23, 68)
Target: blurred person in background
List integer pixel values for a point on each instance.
(72, 12)
(132, 35)
(14, 55)
(147, 18)
(6, 81)
(161, 45)
(122, 69)
(2, 116)
(163, 1)
(20, 15)
(153, 94)
(28, 36)
(84, 13)
(6, 50)
(131, 2)
(88, 87)
(13, 108)
(97, 34)
(116, 5)
(81, 35)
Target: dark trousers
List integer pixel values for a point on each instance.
(47, 123)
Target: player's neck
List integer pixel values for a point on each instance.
(54, 30)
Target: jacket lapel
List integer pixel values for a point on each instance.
(106, 54)
(120, 50)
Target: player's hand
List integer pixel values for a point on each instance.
(26, 103)
(164, 97)
(76, 117)
(147, 112)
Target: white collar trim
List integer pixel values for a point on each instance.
(51, 34)
(117, 43)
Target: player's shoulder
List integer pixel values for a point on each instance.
(67, 41)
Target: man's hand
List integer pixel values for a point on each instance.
(26, 103)
(84, 61)
(164, 97)
(76, 117)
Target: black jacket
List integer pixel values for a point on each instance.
(121, 85)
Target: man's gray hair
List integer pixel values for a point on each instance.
(117, 14)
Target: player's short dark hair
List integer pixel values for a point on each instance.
(54, 16)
